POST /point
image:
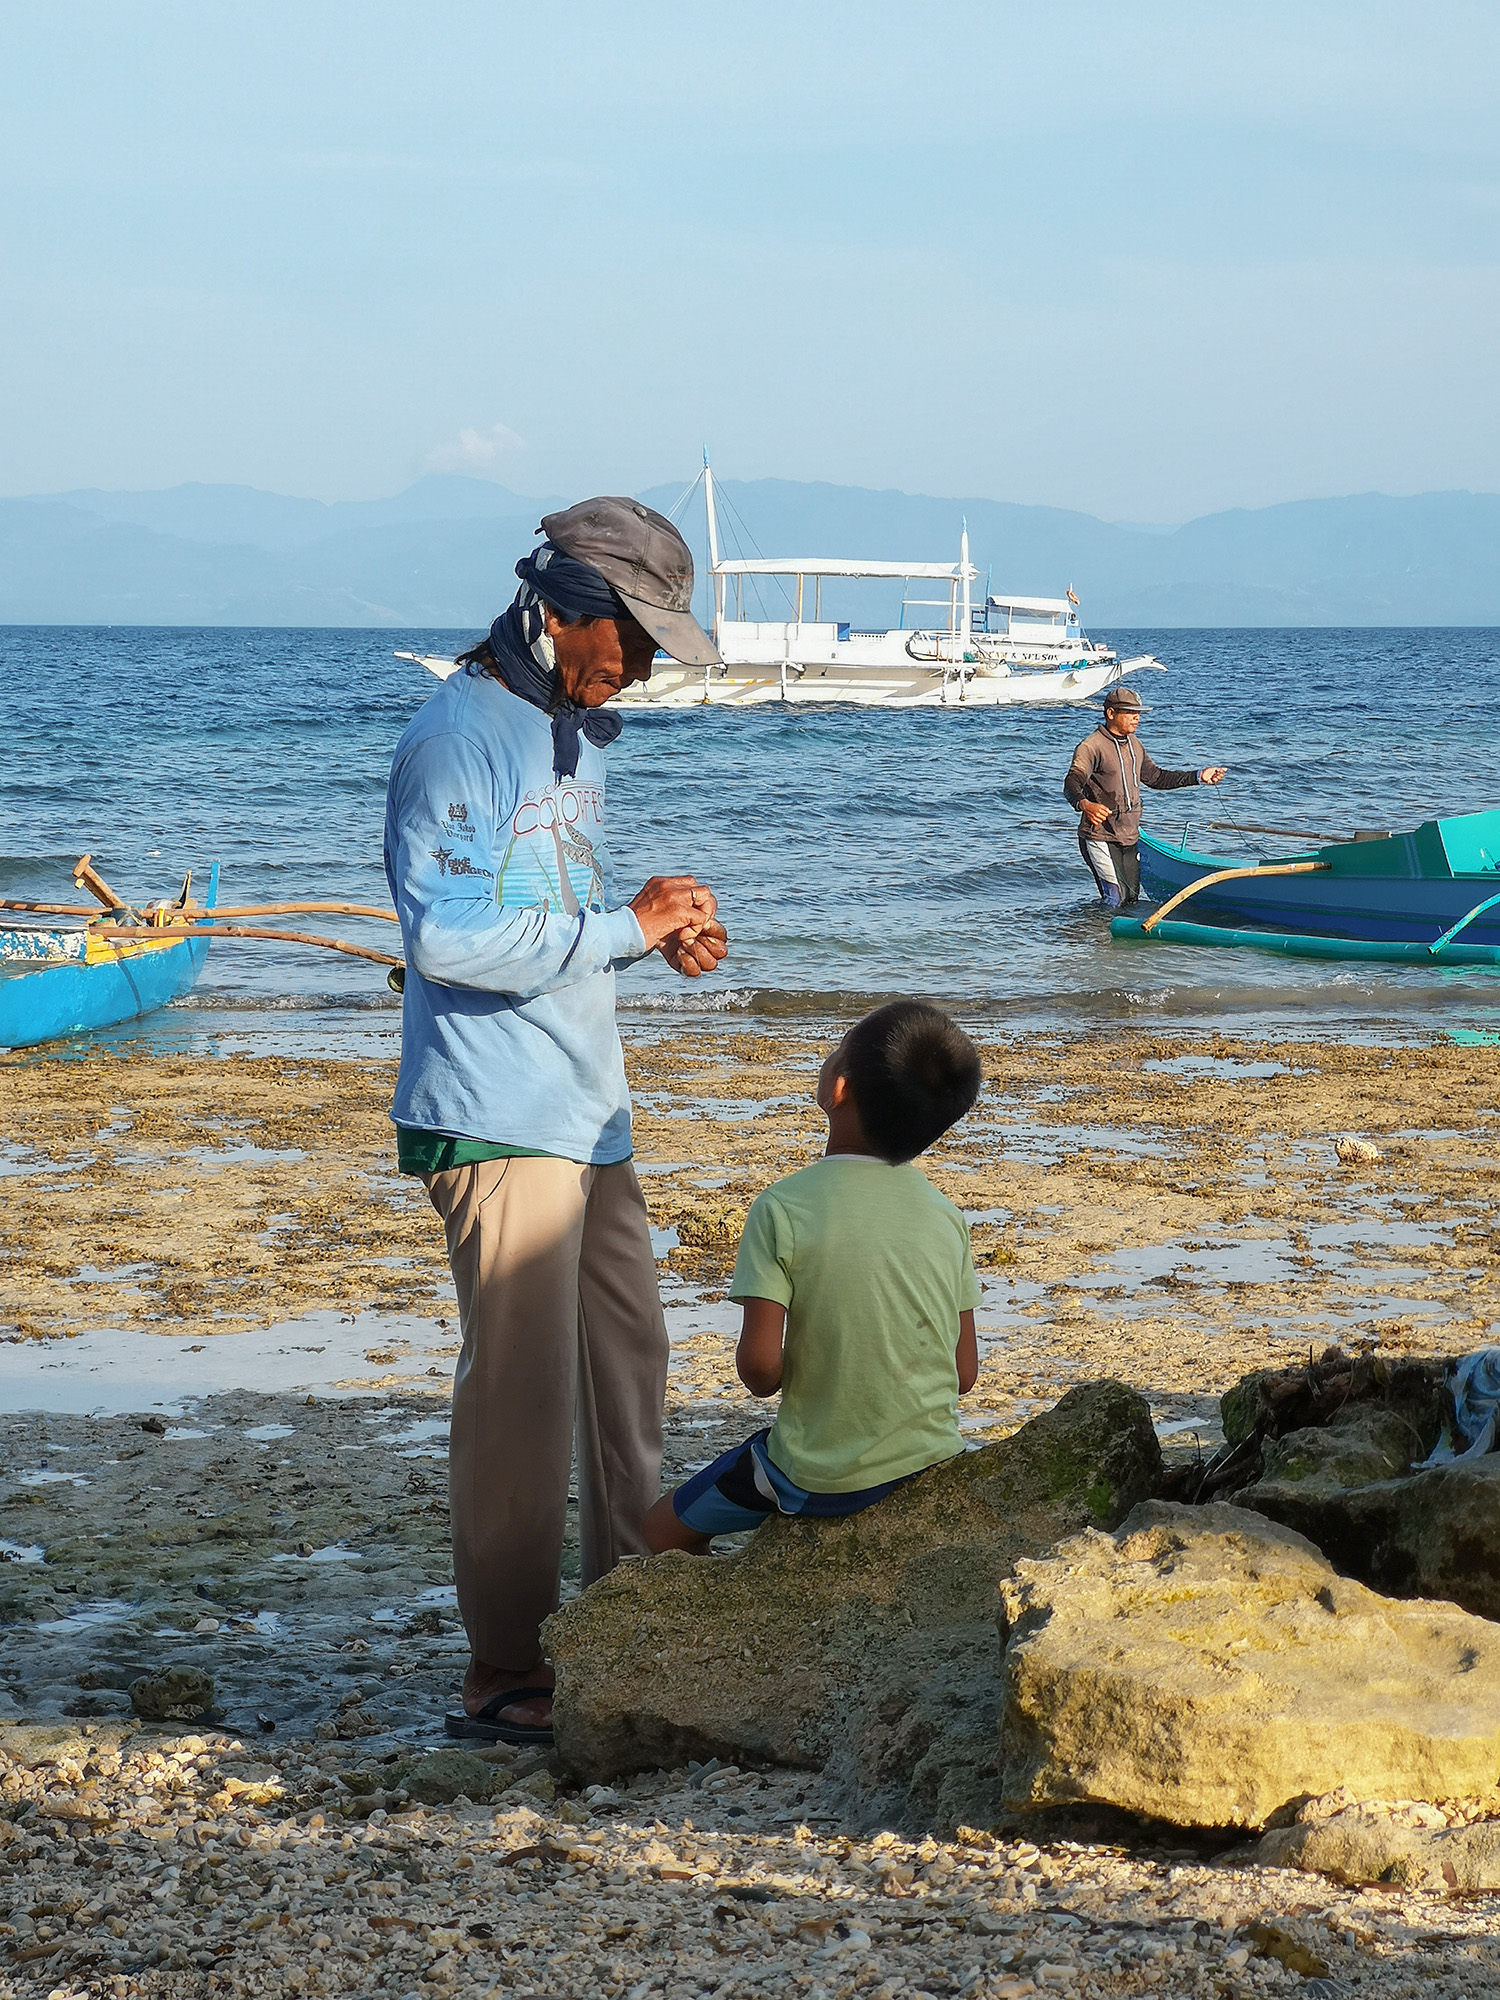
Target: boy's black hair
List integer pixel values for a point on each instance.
(912, 1072)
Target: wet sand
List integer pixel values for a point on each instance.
(224, 1352)
(1177, 1200)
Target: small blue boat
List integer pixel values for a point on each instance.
(1440, 882)
(55, 983)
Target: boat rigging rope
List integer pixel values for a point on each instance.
(731, 510)
(683, 498)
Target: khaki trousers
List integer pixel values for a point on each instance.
(563, 1339)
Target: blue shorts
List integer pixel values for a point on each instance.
(744, 1485)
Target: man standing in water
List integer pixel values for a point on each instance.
(1104, 781)
(511, 1100)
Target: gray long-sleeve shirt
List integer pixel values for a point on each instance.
(1110, 770)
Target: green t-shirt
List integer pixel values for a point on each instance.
(874, 1268)
(419, 1152)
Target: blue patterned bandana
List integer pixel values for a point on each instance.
(523, 655)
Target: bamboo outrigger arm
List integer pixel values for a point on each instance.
(1231, 875)
(237, 910)
(213, 931)
(307, 910)
(1449, 935)
(86, 876)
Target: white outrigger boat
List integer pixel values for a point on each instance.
(1011, 651)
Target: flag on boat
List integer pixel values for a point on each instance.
(1071, 598)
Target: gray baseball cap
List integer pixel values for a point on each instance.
(646, 562)
(1126, 698)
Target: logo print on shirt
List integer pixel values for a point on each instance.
(550, 863)
(450, 863)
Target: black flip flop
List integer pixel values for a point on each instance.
(486, 1727)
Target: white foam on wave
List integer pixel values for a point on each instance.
(208, 1000)
(720, 1000)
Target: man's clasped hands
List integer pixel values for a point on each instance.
(676, 916)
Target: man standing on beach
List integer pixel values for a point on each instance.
(1104, 781)
(511, 1099)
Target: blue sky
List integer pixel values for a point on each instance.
(1146, 260)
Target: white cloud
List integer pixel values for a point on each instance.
(480, 454)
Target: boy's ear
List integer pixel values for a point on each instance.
(838, 1090)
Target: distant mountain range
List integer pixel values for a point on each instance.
(440, 555)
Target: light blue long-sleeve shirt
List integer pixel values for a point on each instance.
(501, 877)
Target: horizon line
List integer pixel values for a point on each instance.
(78, 625)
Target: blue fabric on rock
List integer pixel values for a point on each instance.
(524, 657)
(1475, 1386)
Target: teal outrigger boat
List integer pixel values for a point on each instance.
(55, 983)
(1431, 895)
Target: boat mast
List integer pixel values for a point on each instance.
(963, 563)
(713, 544)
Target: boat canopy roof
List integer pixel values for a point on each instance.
(1048, 607)
(838, 566)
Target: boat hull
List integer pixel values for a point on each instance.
(911, 685)
(907, 684)
(1388, 891)
(49, 1001)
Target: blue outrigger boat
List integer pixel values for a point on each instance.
(58, 982)
(123, 961)
(1429, 896)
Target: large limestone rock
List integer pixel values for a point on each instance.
(1435, 1534)
(867, 1643)
(1372, 1844)
(1208, 1667)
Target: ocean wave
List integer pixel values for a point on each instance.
(1342, 997)
(290, 1003)
(1268, 1008)
(25, 871)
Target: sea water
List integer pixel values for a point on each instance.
(855, 853)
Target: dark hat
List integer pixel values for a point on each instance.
(647, 563)
(1127, 698)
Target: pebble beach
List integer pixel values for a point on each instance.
(147, 1863)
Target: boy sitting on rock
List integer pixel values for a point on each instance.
(859, 1295)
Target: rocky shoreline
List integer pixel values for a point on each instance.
(311, 1837)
